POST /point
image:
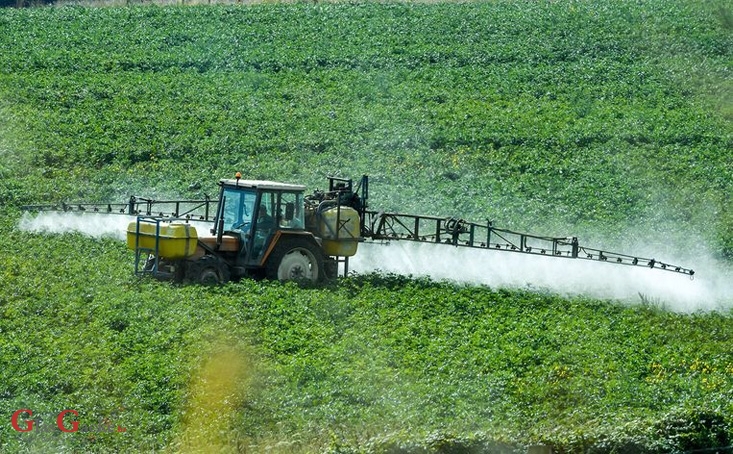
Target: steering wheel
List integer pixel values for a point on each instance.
(240, 225)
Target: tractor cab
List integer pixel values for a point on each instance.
(253, 212)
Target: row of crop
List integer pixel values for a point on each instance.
(491, 114)
(366, 36)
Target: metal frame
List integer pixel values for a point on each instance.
(383, 226)
(199, 210)
(148, 251)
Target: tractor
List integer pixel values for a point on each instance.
(260, 229)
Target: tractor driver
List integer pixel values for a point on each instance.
(265, 222)
(265, 225)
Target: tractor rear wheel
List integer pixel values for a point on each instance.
(296, 259)
(208, 270)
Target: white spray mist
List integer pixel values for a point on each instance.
(95, 225)
(711, 288)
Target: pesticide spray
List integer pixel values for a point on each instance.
(711, 288)
(93, 225)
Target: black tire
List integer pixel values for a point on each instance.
(331, 268)
(208, 270)
(296, 259)
(180, 274)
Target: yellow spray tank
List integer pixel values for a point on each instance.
(175, 240)
(339, 228)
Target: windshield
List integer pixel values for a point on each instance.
(238, 208)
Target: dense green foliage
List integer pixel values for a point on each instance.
(611, 117)
(372, 362)
(596, 115)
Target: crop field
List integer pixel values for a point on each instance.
(611, 120)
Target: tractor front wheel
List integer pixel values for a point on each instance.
(296, 259)
(208, 270)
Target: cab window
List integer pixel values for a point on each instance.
(291, 210)
(238, 209)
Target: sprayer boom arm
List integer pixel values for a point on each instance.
(458, 232)
(199, 210)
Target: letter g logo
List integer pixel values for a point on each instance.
(14, 420)
(60, 421)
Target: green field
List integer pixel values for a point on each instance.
(609, 120)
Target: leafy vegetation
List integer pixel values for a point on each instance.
(611, 117)
(374, 362)
(600, 116)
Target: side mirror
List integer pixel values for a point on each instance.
(289, 211)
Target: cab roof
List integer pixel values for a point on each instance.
(262, 184)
